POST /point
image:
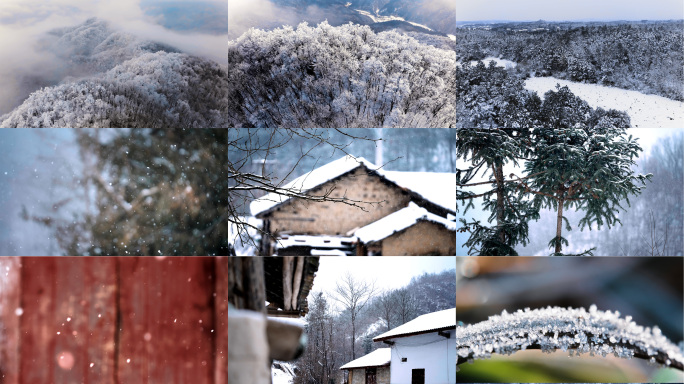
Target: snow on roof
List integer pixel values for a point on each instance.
(377, 358)
(422, 324)
(398, 221)
(310, 180)
(314, 241)
(436, 187)
(300, 322)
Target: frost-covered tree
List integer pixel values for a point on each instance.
(153, 90)
(589, 169)
(345, 76)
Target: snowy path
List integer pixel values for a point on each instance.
(646, 111)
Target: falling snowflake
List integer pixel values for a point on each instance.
(549, 329)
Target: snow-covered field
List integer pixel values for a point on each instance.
(503, 63)
(646, 111)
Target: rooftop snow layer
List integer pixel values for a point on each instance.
(314, 241)
(438, 188)
(422, 324)
(399, 221)
(377, 358)
(310, 180)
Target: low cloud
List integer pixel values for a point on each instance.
(26, 65)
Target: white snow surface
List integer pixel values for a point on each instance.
(439, 188)
(300, 321)
(645, 111)
(314, 241)
(399, 221)
(327, 252)
(282, 376)
(503, 63)
(436, 187)
(377, 358)
(424, 323)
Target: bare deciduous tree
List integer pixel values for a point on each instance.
(406, 305)
(353, 295)
(386, 307)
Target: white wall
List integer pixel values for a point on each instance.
(434, 353)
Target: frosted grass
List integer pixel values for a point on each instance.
(575, 331)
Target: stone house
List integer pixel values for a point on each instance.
(302, 227)
(373, 368)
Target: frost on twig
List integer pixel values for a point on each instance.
(577, 330)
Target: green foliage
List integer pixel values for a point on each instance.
(159, 192)
(490, 150)
(587, 169)
(579, 158)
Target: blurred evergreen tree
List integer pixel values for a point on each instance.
(154, 192)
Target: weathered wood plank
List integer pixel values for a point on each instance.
(68, 306)
(167, 318)
(221, 321)
(10, 316)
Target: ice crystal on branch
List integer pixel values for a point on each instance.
(549, 329)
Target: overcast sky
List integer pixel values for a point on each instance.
(557, 10)
(389, 272)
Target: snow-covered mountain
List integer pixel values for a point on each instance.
(113, 79)
(425, 16)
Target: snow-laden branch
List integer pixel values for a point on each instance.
(552, 328)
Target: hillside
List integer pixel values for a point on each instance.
(115, 80)
(346, 76)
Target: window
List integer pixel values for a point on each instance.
(403, 359)
(418, 376)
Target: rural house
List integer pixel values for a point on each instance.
(423, 351)
(423, 205)
(373, 368)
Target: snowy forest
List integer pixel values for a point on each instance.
(340, 330)
(113, 192)
(576, 191)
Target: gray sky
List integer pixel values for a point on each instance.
(557, 10)
(389, 272)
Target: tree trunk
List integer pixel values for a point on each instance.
(559, 225)
(500, 203)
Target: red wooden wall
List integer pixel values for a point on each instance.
(113, 320)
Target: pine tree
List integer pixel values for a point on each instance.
(585, 168)
(489, 150)
(158, 192)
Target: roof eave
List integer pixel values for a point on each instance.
(376, 339)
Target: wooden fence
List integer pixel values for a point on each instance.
(113, 320)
